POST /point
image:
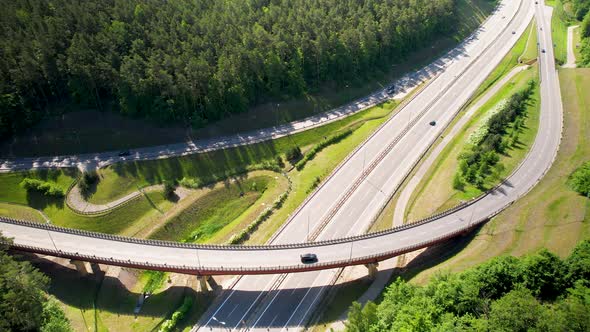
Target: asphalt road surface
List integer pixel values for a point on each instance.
(280, 301)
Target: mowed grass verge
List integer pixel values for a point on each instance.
(435, 192)
(120, 179)
(210, 213)
(552, 215)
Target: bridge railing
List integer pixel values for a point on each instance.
(211, 270)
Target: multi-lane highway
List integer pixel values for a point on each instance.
(348, 200)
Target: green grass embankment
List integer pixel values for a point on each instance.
(436, 193)
(551, 215)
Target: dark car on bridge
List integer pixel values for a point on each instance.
(124, 153)
(309, 258)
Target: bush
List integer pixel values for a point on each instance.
(168, 189)
(294, 154)
(178, 315)
(280, 161)
(580, 180)
(320, 146)
(46, 188)
(86, 181)
(458, 183)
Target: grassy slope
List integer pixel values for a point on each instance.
(551, 215)
(560, 20)
(436, 193)
(531, 51)
(212, 212)
(120, 179)
(20, 212)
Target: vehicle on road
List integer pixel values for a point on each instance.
(543, 50)
(391, 89)
(309, 258)
(432, 123)
(513, 32)
(124, 153)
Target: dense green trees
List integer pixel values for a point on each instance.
(540, 292)
(24, 305)
(196, 61)
(480, 160)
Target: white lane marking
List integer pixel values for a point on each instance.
(271, 301)
(253, 302)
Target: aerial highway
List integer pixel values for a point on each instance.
(348, 201)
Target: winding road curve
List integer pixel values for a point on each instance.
(404, 142)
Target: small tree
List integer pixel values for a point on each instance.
(86, 181)
(168, 189)
(294, 154)
(458, 183)
(280, 161)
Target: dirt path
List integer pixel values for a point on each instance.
(571, 56)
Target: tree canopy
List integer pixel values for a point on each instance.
(24, 304)
(540, 292)
(197, 60)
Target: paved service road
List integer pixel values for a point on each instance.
(281, 301)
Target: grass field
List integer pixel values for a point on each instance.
(560, 20)
(209, 214)
(90, 130)
(531, 50)
(20, 212)
(436, 193)
(120, 179)
(551, 215)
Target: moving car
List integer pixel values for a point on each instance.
(391, 89)
(124, 153)
(309, 258)
(432, 123)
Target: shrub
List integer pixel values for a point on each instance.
(294, 154)
(177, 316)
(168, 189)
(86, 181)
(458, 183)
(580, 180)
(280, 161)
(46, 188)
(320, 146)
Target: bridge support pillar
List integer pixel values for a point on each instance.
(80, 266)
(203, 283)
(372, 269)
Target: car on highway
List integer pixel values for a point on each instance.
(124, 153)
(309, 258)
(513, 32)
(543, 50)
(432, 123)
(391, 89)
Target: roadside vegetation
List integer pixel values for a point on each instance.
(567, 13)
(189, 68)
(479, 161)
(539, 292)
(551, 215)
(25, 304)
(493, 142)
(81, 128)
